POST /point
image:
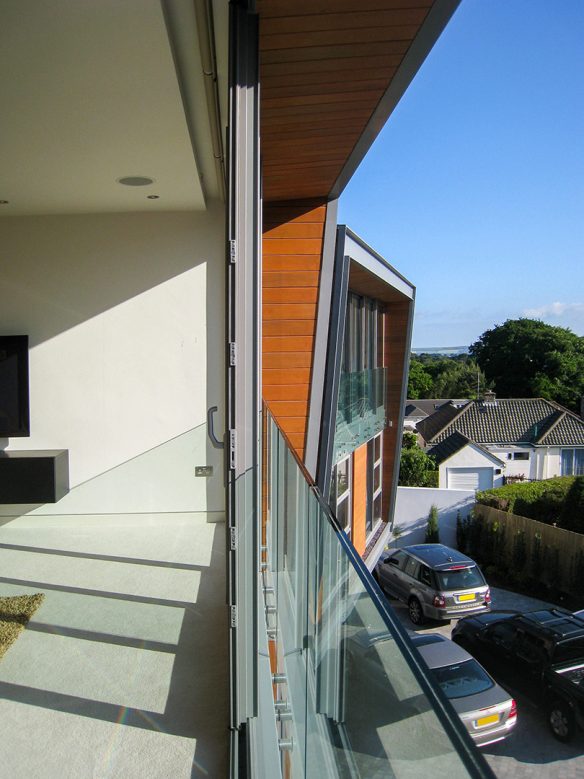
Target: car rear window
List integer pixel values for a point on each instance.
(462, 679)
(460, 579)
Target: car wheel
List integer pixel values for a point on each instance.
(561, 720)
(415, 611)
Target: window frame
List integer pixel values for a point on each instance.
(346, 495)
(576, 468)
(374, 492)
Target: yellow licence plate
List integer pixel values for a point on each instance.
(471, 596)
(487, 720)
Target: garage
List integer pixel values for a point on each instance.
(469, 478)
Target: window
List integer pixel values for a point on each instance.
(399, 559)
(531, 649)
(521, 455)
(363, 343)
(426, 576)
(502, 635)
(412, 567)
(342, 493)
(374, 482)
(572, 462)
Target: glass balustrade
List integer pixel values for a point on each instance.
(350, 697)
(360, 409)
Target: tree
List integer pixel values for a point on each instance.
(432, 530)
(438, 376)
(413, 467)
(419, 381)
(526, 358)
(409, 440)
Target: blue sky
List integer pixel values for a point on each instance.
(474, 190)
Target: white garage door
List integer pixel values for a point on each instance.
(470, 478)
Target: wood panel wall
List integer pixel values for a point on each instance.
(395, 357)
(359, 498)
(324, 67)
(292, 255)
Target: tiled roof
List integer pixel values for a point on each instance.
(568, 430)
(449, 446)
(411, 410)
(425, 406)
(506, 421)
(454, 443)
(439, 420)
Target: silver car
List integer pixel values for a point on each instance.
(487, 711)
(435, 581)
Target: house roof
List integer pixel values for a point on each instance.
(424, 406)
(453, 444)
(431, 427)
(532, 421)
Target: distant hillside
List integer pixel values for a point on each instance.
(447, 350)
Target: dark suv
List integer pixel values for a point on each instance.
(435, 581)
(540, 653)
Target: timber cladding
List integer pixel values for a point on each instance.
(395, 357)
(359, 498)
(324, 68)
(292, 253)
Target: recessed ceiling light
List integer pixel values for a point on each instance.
(152, 197)
(135, 181)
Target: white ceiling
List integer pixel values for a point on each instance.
(89, 93)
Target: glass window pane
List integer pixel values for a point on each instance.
(578, 462)
(377, 508)
(567, 462)
(342, 478)
(377, 478)
(377, 448)
(343, 513)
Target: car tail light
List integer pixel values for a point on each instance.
(439, 601)
(488, 596)
(513, 712)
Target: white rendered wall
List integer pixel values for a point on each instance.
(125, 317)
(413, 506)
(527, 468)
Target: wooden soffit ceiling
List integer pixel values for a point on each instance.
(331, 72)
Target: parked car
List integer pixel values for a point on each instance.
(487, 711)
(540, 653)
(435, 581)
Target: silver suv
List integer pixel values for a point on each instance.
(435, 581)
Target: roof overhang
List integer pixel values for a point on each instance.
(332, 72)
(370, 274)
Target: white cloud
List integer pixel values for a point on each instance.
(554, 309)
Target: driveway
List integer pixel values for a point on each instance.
(531, 752)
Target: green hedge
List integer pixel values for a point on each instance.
(544, 501)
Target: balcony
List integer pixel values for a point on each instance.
(123, 670)
(360, 410)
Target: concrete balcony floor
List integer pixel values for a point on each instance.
(123, 670)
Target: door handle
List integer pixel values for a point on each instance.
(211, 430)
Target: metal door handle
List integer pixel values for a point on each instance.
(211, 431)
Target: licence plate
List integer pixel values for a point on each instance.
(492, 718)
(470, 596)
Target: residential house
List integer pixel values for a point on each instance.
(491, 440)
(417, 410)
(169, 247)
